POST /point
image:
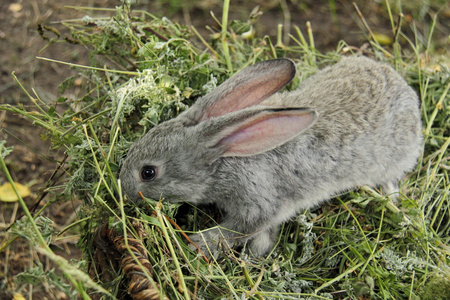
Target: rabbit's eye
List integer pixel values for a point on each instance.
(148, 173)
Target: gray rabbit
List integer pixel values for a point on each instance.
(261, 156)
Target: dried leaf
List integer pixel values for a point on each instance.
(382, 39)
(15, 7)
(7, 193)
(18, 296)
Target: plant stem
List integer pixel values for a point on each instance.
(226, 50)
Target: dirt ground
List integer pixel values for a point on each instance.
(32, 161)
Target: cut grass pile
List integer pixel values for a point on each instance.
(145, 70)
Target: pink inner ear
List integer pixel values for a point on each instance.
(245, 95)
(250, 87)
(267, 132)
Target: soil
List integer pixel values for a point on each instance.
(33, 161)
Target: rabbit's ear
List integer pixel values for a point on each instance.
(247, 88)
(263, 131)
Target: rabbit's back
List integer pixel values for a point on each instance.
(356, 95)
(368, 133)
(360, 103)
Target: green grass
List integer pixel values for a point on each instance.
(145, 70)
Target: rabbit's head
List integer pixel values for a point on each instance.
(176, 159)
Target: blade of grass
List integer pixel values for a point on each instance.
(172, 250)
(339, 277)
(438, 107)
(226, 50)
(89, 67)
(126, 231)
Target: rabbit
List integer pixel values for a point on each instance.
(262, 155)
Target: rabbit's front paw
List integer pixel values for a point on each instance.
(208, 242)
(263, 242)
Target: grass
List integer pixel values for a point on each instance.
(145, 70)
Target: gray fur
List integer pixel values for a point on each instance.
(357, 123)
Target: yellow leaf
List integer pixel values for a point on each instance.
(382, 39)
(15, 7)
(18, 296)
(7, 193)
